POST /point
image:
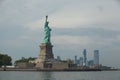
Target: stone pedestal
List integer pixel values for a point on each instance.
(46, 53)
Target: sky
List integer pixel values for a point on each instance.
(76, 25)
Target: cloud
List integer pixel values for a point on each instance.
(84, 15)
(76, 25)
(75, 40)
(82, 41)
(90, 32)
(118, 0)
(25, 11)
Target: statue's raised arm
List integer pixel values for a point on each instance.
(46, 18)
(46, 22)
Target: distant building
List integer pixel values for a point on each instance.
(81, 61)
(75, 60)
(96, 57)
(85, 57)
(78, 62)
(90, 63)
(58, 58)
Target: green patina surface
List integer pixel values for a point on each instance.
(47, 31)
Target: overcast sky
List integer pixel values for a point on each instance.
(76, 25)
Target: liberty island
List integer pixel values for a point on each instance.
(46, 61)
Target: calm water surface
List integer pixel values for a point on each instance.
(103, 75)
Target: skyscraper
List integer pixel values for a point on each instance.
(81, 61)
(58, 58)
(75, 59)
(90, 63)
(96, 57)
(84, 57)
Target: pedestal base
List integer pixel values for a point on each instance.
(46, 53)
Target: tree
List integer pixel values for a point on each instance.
(23, 59)
(5, 60)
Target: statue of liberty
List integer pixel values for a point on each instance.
(47, 31)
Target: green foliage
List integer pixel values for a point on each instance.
(5, 60)
(23, 59)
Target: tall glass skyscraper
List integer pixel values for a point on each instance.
(75, 60)
(96, 57)
(84, 57)
(81, 61)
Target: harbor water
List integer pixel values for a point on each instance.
(29, 75)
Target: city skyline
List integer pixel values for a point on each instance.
(84, 61)
(76, 25)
